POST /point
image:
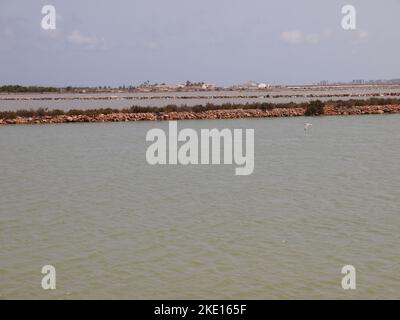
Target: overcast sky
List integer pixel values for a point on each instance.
(104, 42)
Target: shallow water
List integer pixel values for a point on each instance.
(82, 197)
(126, 100)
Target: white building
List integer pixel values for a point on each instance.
(262, 86)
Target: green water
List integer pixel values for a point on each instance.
(82, 197)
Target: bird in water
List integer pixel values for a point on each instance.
(306, 126)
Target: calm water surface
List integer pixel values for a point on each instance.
(126, 100)
(82, 198)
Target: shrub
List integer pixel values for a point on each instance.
(315, 108)
(25, 113)
(55, 112)
(41, 112)
(170, 108)
(8, 115)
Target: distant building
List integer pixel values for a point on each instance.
(207, 86)
(263, 86)
(249, 85)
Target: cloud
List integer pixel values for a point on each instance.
(77, 37)
(312, 38)
(51, 34)
(298, 37)
(151, 44)
(292, 37)
(362, 34)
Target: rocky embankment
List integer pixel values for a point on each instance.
(206, 115)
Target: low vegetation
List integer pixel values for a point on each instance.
(23, 89)
(315, 108)
(312, 108)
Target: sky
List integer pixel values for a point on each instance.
(224, 42)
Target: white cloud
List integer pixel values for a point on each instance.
(77, 37)
(298, 37)
(52, 34)
(151, 44)
(362, 34)
(312, 38)
(292, 37)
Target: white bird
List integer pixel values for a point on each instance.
(307, 125)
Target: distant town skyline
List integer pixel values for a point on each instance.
(202, 85)
(102, 43)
